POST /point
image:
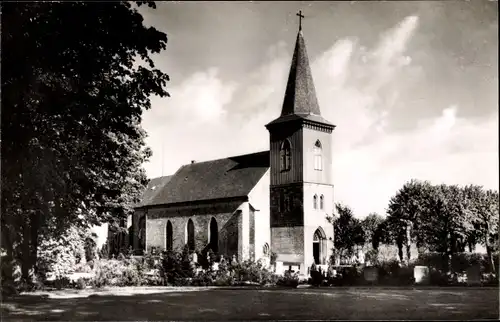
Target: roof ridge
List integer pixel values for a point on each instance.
(224, 158)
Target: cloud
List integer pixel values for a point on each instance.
(359, 89)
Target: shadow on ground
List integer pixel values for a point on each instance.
(274, 304)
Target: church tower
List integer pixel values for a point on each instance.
(301, 190)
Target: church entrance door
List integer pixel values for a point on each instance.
(316, 252)
(319, 246)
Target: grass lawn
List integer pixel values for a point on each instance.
(258, 304)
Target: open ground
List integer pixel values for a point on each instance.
(166, 303)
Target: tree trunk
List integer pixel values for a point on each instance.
(408, 242)
(26, 252)
(449, 252)
(35, 220)
(8, 270)
(400, 249)
(490, 255)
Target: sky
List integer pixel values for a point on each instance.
(411, 86)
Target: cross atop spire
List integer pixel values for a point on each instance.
(300, 101)
(300, 19)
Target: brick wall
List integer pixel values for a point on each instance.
(288, 243)
(227, 215)
(283, 218)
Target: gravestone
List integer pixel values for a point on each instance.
(371, 274)
(421, 275)
(474, 275)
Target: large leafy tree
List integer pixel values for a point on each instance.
(483, 211)
(348, 231)
(76, 78)
(404, 215)
(370, 225)
(447, 221)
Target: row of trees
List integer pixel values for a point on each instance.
(76, 78)
(443, 218)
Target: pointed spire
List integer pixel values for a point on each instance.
(300, 94)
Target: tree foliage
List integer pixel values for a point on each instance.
(404, 214)
(370, 226)
(348, 230)
(483, 210)
(73, 94)
(442, 218)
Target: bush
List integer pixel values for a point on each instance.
(288, 280)
(405, 275)
(84, 267)
(61, 253)
(372, 256)
(438, 277)
(489, 279)
(11, 276)
(352, 275)
(205, 278)
(172, 268)
(388, 272)
(250, 271)
(224, 280)
(316, 277)
(133, 273)
(81, 284)
(107, 273)
(62, 282)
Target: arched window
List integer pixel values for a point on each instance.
(141, 234)
(315, 202)
(265, 249)
(190, 234)
(169, 234)
(321, 201)
(318, 157)
(213, 235)
(285, 152)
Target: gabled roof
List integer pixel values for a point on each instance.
(154, 186)
(218, 179)
(300, 100)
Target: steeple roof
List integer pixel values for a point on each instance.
(300, 94)
(300, 100)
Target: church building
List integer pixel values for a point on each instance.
(251, 205)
